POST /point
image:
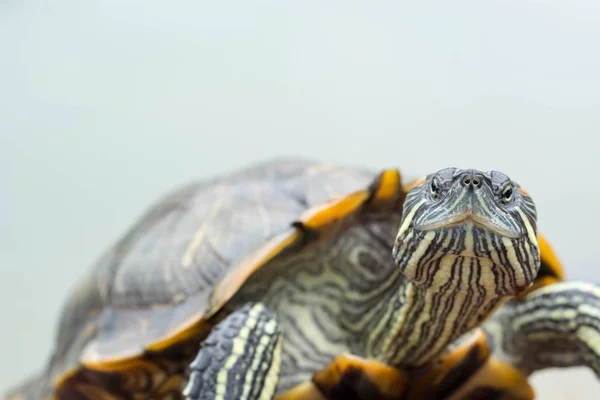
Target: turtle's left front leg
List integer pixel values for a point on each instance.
(555, 326)
(240, 358)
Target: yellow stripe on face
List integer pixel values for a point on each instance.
(530, 232)
(408, 218)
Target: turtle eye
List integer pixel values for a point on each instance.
(507, 194)
(435, 188)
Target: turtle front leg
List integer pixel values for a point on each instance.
(555, 326)
(240, 358)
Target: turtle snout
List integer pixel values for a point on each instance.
(471, 179)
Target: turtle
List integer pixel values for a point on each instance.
(298, 279)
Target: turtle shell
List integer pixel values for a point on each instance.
(187, 255)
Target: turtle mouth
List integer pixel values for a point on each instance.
(465, 219)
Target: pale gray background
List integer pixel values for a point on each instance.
(106, 105)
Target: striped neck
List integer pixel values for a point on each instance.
(421, 321)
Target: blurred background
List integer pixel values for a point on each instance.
(105, 106)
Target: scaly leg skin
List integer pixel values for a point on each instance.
(240, 359)
(555, 326)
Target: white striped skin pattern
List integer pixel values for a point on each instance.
(555, 326)
(326, 299)
(239, 360)
(465, 245)
(348, 294)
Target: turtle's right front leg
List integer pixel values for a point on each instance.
(240, 358)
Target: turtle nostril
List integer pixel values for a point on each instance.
(472, 179)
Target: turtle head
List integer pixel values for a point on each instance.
(479, 225)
